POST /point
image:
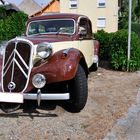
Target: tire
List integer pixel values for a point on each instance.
(78, 89)
(9, 107)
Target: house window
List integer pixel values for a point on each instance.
(72, 4)
(100, 3)
(101, 22)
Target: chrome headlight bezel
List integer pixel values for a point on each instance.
(44, 50)
(39, 81)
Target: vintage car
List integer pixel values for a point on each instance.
(50, 62)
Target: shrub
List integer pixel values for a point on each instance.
(119, 48)
(116, 49)
(12, 25)
(2, 12)
(104, 39)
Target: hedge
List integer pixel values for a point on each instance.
(113, 48)
(12, 25)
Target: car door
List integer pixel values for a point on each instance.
(85, 40)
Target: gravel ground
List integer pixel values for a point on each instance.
(111, 93)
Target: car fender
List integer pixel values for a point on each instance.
(61, 66)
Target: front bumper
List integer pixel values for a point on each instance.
(47, 96)
(19, 97)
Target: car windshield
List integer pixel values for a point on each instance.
(54, 26)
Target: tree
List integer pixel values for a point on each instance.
(124, 11)
(123, 14)
(11, 25)
(2, 2)
(2, 12)
(137, 11)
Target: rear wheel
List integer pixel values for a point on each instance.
(78, 90)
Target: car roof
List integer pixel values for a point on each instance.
(56, 16)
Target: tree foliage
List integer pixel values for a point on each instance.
(11, 25)
(2, 12)
(137, 11)
(113, 48)
(124, 12)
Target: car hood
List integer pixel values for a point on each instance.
(48, 38)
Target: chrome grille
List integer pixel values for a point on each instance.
(17, 65)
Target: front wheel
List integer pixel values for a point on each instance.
(10, 107)
(78, 89)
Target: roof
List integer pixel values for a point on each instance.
(56, 15)
(9, 6)
(44, 8)
(29, 7)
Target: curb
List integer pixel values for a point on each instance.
(124, 123)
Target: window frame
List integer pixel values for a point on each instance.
(88, 27)
(101, 26)
(101, 2)
(52, 20)
(73, 2)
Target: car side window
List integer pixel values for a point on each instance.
(85, 25)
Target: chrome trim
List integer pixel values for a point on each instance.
(9, 59)
(11, 86)
(14, 60)
(47, 96)
(79, 18)
(17, 40)
(13, 63)
(7, 68)
(22, 59)
(20, 68)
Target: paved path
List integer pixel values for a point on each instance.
(127, 128)
(133, 133)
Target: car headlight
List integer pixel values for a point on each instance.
(44, 50)
(38, 80)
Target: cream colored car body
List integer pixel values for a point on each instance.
(85, 46)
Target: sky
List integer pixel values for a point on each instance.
(40, 2)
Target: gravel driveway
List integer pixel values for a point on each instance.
(111, 93)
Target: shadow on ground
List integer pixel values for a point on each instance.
(105, 65)
(31, 109)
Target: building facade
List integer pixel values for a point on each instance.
(103, 13)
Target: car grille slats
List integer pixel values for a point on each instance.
(16, 66)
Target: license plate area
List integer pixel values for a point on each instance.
(11, 97)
